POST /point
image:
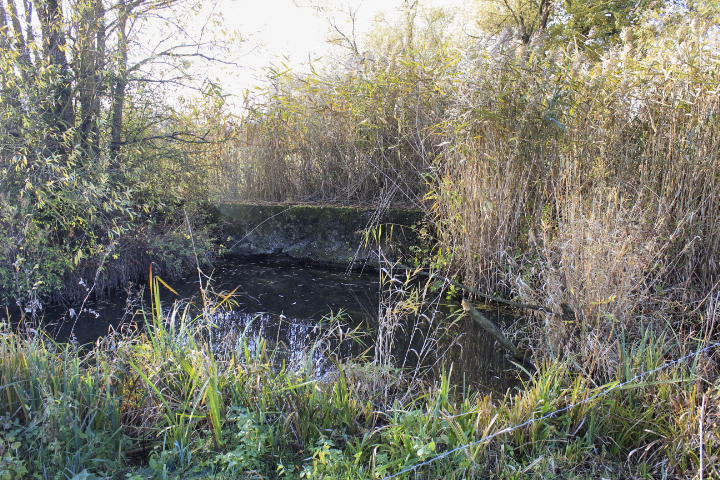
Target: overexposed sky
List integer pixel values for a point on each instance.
(294, 32)
(274, 31)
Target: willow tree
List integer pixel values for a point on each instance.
(87, 125)
(526, 18)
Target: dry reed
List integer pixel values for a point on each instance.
(589, 187)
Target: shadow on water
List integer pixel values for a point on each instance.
(286, 308)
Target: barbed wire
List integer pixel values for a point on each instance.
(553, 413)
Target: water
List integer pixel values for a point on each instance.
(293, 310)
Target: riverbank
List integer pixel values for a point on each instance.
(35, 277)
(164, 403)
(574, 174)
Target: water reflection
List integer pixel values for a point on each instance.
(288, 310)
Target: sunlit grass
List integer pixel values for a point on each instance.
(233, 413)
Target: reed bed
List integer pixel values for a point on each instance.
(587, 186)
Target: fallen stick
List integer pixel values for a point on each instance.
(495, 331)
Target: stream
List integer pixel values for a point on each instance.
(298, 312)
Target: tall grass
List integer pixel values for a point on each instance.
(61, 405)
(341, 135)
(586, 186)
(195, 409)
(592, 185)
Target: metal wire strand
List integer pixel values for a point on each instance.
(553, 413)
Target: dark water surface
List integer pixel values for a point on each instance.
(287, 307)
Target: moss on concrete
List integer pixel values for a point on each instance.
(317, 234)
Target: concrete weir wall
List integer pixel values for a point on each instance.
(323, 235)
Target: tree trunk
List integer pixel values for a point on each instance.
(91, 46)
(60, 115)
(18, 38)
(3, 27)
(544, 13)
(31, 42)
(120, 82)
(100, 82)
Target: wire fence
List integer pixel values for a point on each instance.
(610, 389)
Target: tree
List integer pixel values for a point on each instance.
(525, 17)
(87, 130)
(592, 23)
(600, 23)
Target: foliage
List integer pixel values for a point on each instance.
(574, 185)
(69, 411)
(524, 18)
(600, 24)
(584, 184)
(60, 409)
(355, 132)
(593, 26)
(91, 153)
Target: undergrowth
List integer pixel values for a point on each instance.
(188, 406)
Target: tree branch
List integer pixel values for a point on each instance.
(496, 332)
(176, 136)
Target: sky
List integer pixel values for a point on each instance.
(292, 31)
